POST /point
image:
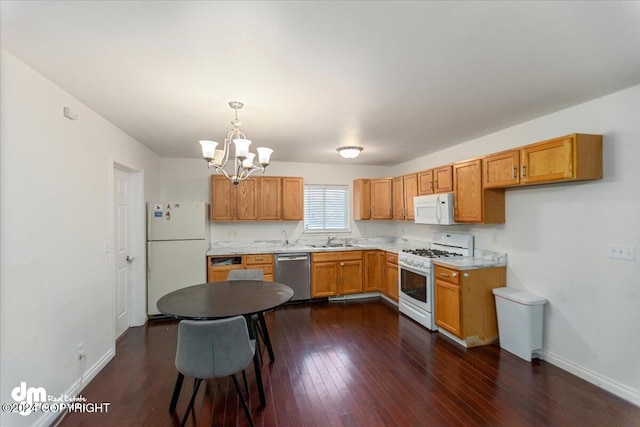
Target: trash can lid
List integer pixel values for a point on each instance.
(519, 296)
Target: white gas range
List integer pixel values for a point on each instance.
(415, 275)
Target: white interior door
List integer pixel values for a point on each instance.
(122, 248)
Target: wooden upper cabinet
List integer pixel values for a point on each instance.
(472, 203)
(259, 198)
(570, 158)
(443, 179)
(410, 191)
(573, 157)
(247, 200)
(223, 199)
(270, 197)
(501, 169)
(381, 198)
(425, 182)
(361, 199)
(398, 197)
(292, 198)
(438, 180)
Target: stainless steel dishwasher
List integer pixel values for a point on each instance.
(293, 270)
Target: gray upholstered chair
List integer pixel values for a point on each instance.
(212, 349)
(258, 321)
(245, 275)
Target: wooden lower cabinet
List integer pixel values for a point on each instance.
(374, 270)
(336, 273)
(464, 302)
(391, 275)
(220, 265)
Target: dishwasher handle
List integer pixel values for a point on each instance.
(292, 257)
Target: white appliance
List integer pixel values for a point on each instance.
(415, 275)
(434, 209)
(177, 245)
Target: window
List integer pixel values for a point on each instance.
(325, 208)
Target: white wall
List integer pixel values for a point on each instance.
(56, 289)
(556, 238)
(189, 179)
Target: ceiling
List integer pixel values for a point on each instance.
(401, 79)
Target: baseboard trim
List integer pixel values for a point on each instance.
(614, 387)
(54, 419)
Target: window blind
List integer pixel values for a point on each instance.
(325, 207)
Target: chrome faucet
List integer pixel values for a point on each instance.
(286, 240)
(329, 239)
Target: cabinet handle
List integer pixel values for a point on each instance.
(444, 274)
(435, 185)
(513, 172)
(522, 171)
(430, 185)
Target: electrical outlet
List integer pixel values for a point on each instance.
(626, 252)
(81, 354)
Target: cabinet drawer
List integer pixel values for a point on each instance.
(258, 259)
(266, 268)
(447, 274)
(392, 257)
(335, 256)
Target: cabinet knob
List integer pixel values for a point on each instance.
(342, 264)
(454, 274)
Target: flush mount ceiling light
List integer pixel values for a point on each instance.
(243, 165)
(350, 152)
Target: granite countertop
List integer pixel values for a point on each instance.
(469, 263)
(268, 247)
(482, 258)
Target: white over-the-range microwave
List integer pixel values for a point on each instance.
(434, 209)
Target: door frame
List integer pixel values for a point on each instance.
(138, 278)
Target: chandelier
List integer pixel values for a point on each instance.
(243, 163)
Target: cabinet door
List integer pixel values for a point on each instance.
(292, 198)
(425, 182)
(350, 277)
(223, 198)
(324, 279)
(548, 161)
(443, 179)
(447, 306)
(270, 197)
(361, 199)
(398, 197)
(372, 275)
(392, 281)
(467, 180)
(247, 200)
(381, 198)
(220, 273)
(410, 191)
(501, 169)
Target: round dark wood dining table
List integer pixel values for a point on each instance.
(217, 300)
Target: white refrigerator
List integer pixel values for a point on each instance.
(177, 245)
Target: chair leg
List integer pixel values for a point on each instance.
(196, 385)
(176, 392)
(244, 402)
(246, 385)
(256, 367)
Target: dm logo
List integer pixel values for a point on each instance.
(31, 395)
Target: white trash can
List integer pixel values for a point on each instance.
(520, 322)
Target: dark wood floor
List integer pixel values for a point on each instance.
(352, 364)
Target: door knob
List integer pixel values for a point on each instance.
(130, 258)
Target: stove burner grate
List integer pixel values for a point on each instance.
(430, 253)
